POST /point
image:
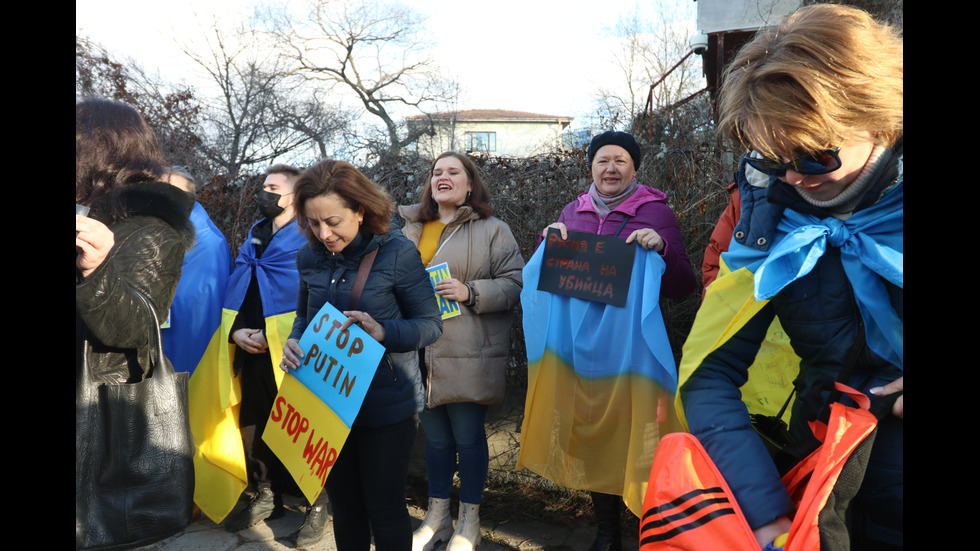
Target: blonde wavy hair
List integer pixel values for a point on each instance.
(807, 84)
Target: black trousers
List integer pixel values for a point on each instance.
(259, 393)
(367, 488)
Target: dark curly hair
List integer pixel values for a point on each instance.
(114, 147)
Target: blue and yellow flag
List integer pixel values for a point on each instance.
(215, 393)
(872, 250)
(600, 382)
(196, 310)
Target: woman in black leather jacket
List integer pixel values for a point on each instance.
(129, 247)
(346, 217)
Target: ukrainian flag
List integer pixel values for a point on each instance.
(600, 384)
(872, 249)
(215, 393)
(196, 309)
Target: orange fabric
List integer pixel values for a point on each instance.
(688, 505)
(720, 237)
(812, 480)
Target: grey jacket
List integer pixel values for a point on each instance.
(468, 363)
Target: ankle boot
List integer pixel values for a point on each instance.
(260, 506)
(467, 535)
(609, 536)
(437, 526)
(311, 532)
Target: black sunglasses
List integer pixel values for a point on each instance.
(820, 162)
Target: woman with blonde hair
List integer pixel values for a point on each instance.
(817, 102)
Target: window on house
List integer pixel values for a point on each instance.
(481, 141)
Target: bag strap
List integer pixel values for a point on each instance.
(362, 274)
(623, 225)
(157, 337)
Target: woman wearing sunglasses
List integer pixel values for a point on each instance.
(818, 104)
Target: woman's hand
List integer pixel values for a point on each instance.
(291, 355)
(367, 323)
(648, 238)
(92, 244)
(453, 289)
(250, 340)
(766, 534)
(558, 226)
(898, 410)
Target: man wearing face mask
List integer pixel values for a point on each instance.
(263, 288)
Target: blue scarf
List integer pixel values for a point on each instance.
(275, 271)
(872, 248)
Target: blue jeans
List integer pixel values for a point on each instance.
(451, 430)
(367, 488)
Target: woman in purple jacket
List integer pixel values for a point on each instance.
(616, 204)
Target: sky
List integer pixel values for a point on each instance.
(539, 56)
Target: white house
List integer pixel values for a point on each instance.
(495, 132)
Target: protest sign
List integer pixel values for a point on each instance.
(338, 366)
(587, 266)
(305, 434)
(310, 420)
(448, 307)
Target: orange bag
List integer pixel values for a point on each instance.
(688, 505)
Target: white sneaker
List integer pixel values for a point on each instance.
(467, 535)
(437, 526)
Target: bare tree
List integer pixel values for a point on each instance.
(172, 111)
(643, 53)
(373, 50)
(243, 119)
(324, 124)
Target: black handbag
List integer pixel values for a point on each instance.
(134, 470)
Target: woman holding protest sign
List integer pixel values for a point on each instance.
(602, 393)
(452, 225)
(375, 277)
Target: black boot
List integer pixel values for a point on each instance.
(312, 530)
(260, 507)
(608, 513)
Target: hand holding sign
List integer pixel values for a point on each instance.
(446, 290)
(648, 238)
(332, 366)
(365, 322)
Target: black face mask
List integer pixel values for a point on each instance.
(269, 204)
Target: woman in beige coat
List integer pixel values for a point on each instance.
(452, 225)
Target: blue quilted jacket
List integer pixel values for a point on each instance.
(820, 315)
(398, 294)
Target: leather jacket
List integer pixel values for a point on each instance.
(152, 231)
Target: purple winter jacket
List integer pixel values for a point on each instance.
(646, 208)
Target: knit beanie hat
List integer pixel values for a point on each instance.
(622, 139)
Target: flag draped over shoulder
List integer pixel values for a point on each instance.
(196, 310)
(214, 393)
(600, 380)
(872, 248)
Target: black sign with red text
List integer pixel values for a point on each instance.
(587, 266)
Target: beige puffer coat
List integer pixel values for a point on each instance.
(467, 364)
